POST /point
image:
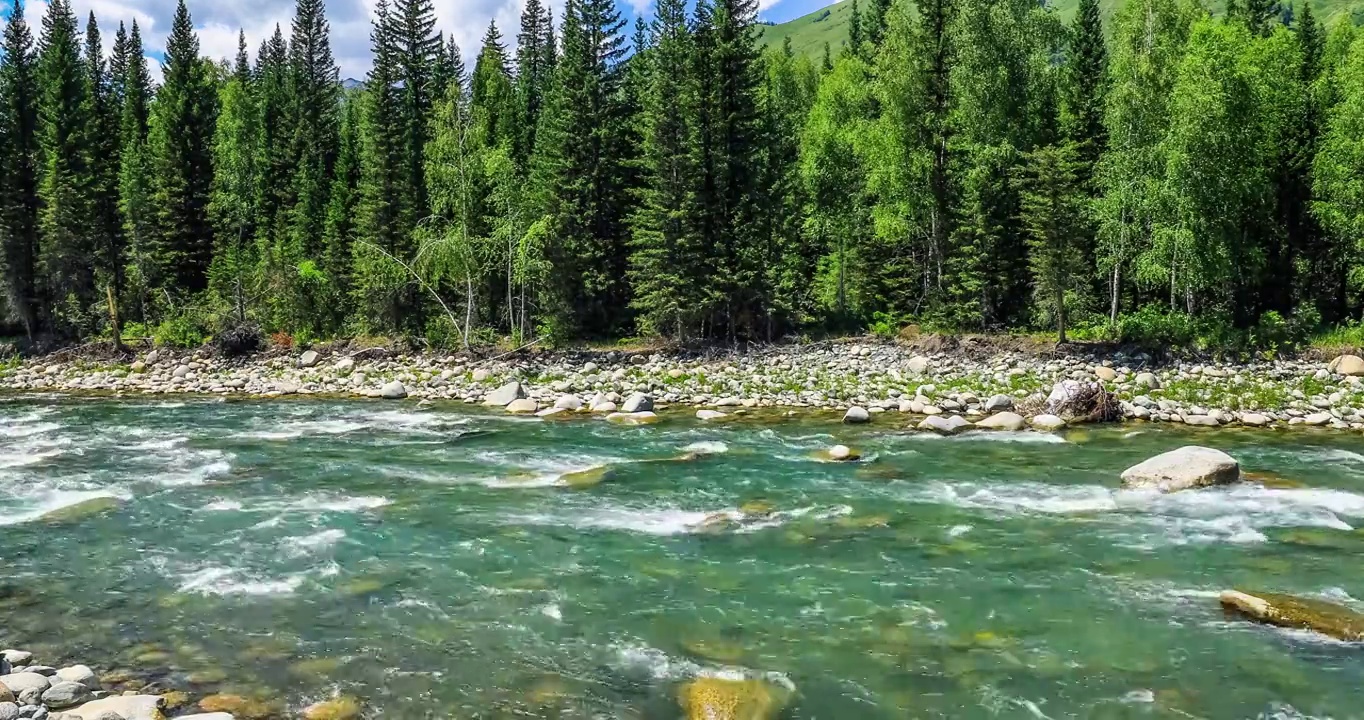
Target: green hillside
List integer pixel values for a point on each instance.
(808, 33)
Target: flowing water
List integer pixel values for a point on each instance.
(434, 562)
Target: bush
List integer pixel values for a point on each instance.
(180, 331)
(238, 340)
(282, 339)
(1151, 327)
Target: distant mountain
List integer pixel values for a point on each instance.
(351, 83)
(808, 33)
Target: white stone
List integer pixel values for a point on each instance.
(856, 415)
(308, 359)
(1347, 365)
(710, 415)
(1191, 466)
(1048, 422)
(1003, 421)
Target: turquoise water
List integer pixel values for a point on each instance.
(432, 562)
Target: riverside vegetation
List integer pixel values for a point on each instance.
(1175, 177)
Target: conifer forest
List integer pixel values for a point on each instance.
(959, 164)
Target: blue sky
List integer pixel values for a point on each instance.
(217, 22)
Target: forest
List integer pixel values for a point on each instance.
(960, 165)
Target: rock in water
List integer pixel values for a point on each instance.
(522, 406)
(568, 402)
(944, 425)
(1347, 365)
(341, 708)
(842, 453)
(81, 510)
(710, 415)
(634, 418)
(1003, 421)
(80, 674)
(856, 415)
(308, 359)
(1287, 611)
(709, 698)
(586, 478)
(1188, 467)
(204, 716)
(504, 395)
(1048, 422)
(128, 707)
(393, 391)
(637, 402)
(65, 694)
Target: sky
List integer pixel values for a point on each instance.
(217, 22)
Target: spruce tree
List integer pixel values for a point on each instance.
(275, 164)
(1052, 209)
(232, 207)
(314, 91)
(1084, 89)
(1261, 16)
(874, 23)
(181, 140)
(19, 172)
(118, 67)
(534, 55)
(789, 262)
(491, 95)
(728, 147)
(339, 233)
(416, 46)
(65, 115)
(104, 165)
(581, 172)
(134, 175)
(855, 29)
(668, 259)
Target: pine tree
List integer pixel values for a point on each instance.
(64, 121)
(180, 143)
(534, 55)
(1261, 16)
(118, 67)
(104, 165)
(134, 174)
(1085, 85)
(339, 234)
(232, 207)
(855, 29)
(1052, 209)
(874, 26)
(314, 91)
(491, 95)
(274, 150)
(826, 63)
(378, 282)
(580, 174)
(667, 258)
(19, 172)
(789, 261)
(417, 47)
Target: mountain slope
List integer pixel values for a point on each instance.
(808, 33)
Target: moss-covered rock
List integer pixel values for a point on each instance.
(758, 508)
(81, 511)
(339, 708)
(586, 478)
(240, 706)
(720, 699)
(1288, 611)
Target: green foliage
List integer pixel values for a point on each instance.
(183, 330)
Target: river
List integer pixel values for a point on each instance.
(434, 562)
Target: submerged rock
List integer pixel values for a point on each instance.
(633, 418)
(709, 415)
(709, 698)
(81, 510)
(340, 708)
(241, 707)
(128, 707)
(586, 478)
(841, 453)
(1287, 611)
(1191, 466)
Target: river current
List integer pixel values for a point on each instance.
(437, 562)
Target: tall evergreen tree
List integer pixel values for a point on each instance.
(874, 22)
(855, 29)
(1085, 84)
(491, 95)
(19, 172)
(134, 174)
(1260, 16)
(274, 150)
(232, 207)
(416, 46)
(789, 262)
(534, 58)
(339, 233)
(118, 67)
(181, 140)
(104, 165)
(314, 91)
(1052, 209)
(667, 262)
(65, 122)
(581, 174)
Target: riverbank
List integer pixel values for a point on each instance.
(884, 380)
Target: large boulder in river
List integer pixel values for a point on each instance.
(637, 402)
(128, 707)
(840, 453)
(1287, 611)
(709, 698)
(504, 395)
(1003, 421)
(80, 511)
(81, 674)
(645, 417)
(522, 406)
(856, 415)
(1188, 467)
(1347, 365)
(393, 391)
(944, 425)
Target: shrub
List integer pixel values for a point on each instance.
(281, 339)
(180, 331)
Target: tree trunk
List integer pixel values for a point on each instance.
(1113, 303)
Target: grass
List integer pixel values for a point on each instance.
(829, 24)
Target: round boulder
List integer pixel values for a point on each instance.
(522, 406)
(393, 391)
(19, 682)
(856, 415)
(65, 694)
(637, 402)
(1191, 466)
(1352, 365)
(1003, 421)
